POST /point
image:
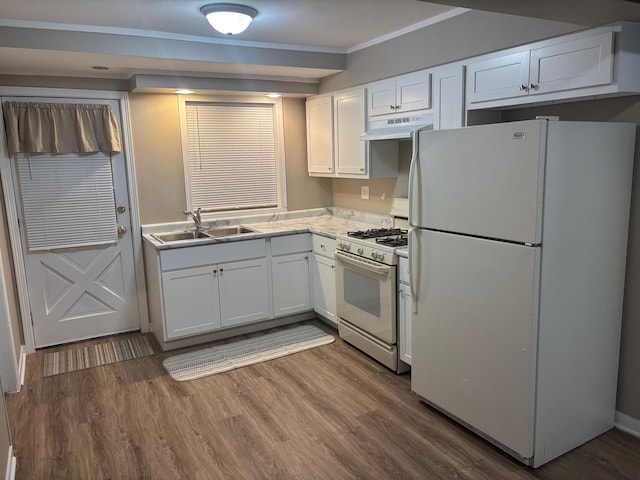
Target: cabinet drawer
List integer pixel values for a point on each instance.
(188, 257)
(324, 246)
(403, 270)
(291, 244)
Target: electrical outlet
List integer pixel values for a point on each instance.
(364, 192)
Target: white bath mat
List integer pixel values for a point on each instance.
(225, 357)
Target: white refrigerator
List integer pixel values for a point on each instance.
(517, 253)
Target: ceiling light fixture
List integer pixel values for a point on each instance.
(229, 18)
(273, 95)
(183, 91)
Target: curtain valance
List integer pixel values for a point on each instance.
(33, 127)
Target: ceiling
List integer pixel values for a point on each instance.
(297, 41)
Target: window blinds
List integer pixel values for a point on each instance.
(231, 155)
(67, 200)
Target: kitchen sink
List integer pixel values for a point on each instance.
(180, 236)
(199, 234)
(228, 231)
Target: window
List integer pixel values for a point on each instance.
(67, 200)
(233, 154)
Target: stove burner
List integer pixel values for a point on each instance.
(376, 233)
(400, 241)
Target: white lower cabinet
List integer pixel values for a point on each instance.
(244, 292)
(290, 280)
(324, 287)
(191, 301)
(405, 309)
(404, 323)
(202, 299)
(323, 278)
(196, 290)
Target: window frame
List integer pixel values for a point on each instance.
(281, 179)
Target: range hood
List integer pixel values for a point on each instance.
(396, 128)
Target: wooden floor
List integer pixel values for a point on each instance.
(326, 413)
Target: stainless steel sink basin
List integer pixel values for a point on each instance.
(228, 231)
(180, 236)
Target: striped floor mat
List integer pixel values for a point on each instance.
(225, 357)
(96, 355)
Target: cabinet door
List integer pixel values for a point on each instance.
(290, 280)
(381, 97)
(349, 124)
(581, 63)
(244, 291)
(324, 287)
(404, 323)
(502, 77)
(413, 92)
(190, 301)
(320, 136)
(448, 101)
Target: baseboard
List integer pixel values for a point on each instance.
(627, 424)
(22, 365)
(11, 465)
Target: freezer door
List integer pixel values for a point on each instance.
(473, 333)
(485, 181)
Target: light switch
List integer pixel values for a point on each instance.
(364, 192)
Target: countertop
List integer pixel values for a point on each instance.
(326, 222)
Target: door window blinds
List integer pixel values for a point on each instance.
(67, 200)
(231, 155)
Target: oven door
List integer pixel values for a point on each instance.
(366, 295)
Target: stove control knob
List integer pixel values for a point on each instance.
(360, 250)
(374, 255)
(381, 257)
(347, 246)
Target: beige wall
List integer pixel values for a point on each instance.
(464, 36)
(155, 125)
(346, 192)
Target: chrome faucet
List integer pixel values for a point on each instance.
(196, 217)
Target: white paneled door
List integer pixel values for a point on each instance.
(82, 285)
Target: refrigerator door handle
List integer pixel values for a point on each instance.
(414, 189)
(414, 265)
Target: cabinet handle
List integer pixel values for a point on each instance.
(215, 273)
(221, 270)
(397, 107)
(392, 107)
(524, 88)
(532, 86)
(362, 170)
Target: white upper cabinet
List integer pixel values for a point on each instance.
(355, 158)
(496, 78)
(405, 93)
(334, 148)
(349, 124)
(448, 97)
(320, 136)
(581, 63)
(546, 71)
(577, 64)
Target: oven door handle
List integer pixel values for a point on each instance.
(377, 269)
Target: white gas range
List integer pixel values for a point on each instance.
(366, 292)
